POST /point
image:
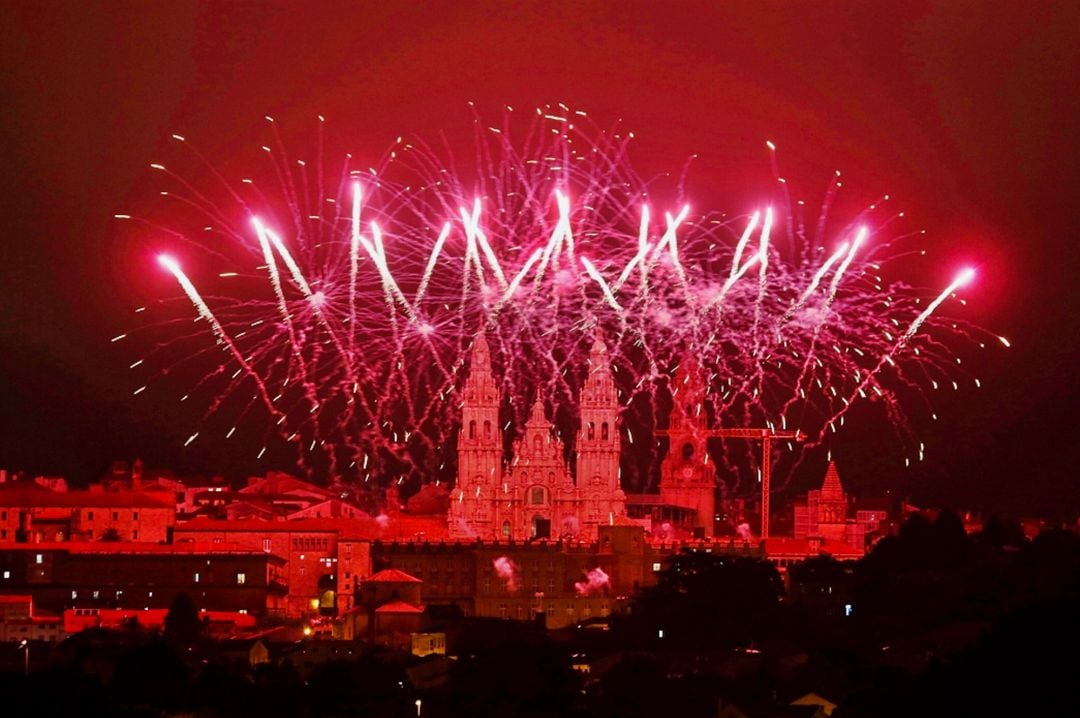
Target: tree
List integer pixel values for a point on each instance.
(709, 600)
(110, 534)
(182, 624)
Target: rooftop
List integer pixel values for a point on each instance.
(391, 575)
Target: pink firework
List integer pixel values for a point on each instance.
(338, 314)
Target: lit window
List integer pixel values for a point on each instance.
(196, 577)
(39, 558)
(74, 595)
(266, 545)
(241, 578)
(96, 594)
(656, 566)
(7, 574)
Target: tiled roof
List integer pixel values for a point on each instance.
(134, 547)
(39, 497)
(399, 607)
(392, 575)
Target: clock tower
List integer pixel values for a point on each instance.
(688, 474)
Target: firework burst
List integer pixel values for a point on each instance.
(342, 311)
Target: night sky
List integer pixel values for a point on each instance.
(963, 112)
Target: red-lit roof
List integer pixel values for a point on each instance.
(392, 575)
(14, 598)
(131, 547)
(430, 527)
(831, 486)
(785, 545)
(29, 495)
(399, 607)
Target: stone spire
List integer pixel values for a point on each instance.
(831, 488)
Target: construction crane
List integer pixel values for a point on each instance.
(766, 437)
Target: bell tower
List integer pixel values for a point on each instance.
(688, 474)
(480, 447)
(598, 444)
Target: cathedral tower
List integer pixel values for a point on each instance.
(480, 446)
(687, 474)
(598, 444)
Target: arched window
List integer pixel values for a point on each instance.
(591, 431)
(603, 432)
(487, 429)
(506, 529)
(537, 495)
(472, 429)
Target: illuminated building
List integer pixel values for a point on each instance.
(534, 495)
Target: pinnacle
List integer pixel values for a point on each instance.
(831, 484)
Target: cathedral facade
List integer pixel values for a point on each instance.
(535, 495)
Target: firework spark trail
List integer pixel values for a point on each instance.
(366, 332)
(963, 278)
(219, 331)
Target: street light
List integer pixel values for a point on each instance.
(25, 646)
(419, 703)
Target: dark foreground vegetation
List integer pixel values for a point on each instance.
(933, 622)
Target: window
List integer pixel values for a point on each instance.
(536, 495)
(3, 533)
(506, 529)
(7, 574)
(656, 566)
(266, 545)
(472, 429)
(135, 534)
(39, 558)
(487, 429)
(135, 515)
(3, 515)
(196, 577)
(591, 431)
(74, 595)
(604, 432)
(115, 515)
(89, 515)
(537, 444)
(96, 595)
(241, 578)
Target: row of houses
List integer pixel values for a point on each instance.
(280, 549)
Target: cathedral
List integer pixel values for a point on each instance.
(535, 495)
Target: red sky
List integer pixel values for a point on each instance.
(965, 112)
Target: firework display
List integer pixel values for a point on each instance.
(338, 314)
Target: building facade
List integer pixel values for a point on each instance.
(143, 576)
(32, 513)
(535, 496)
